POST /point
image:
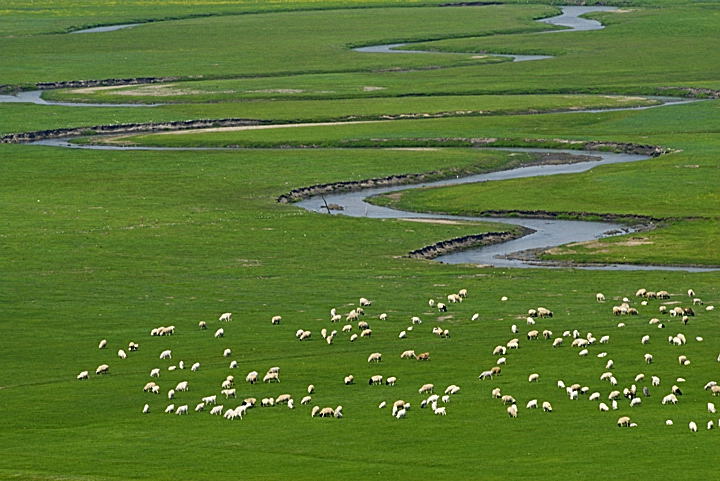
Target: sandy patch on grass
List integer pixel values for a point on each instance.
(263, 127)
(278, 91)
(89, 90)
(163, 90)
(370, 88)
(599, 247)
(417, 149)
(433, 221)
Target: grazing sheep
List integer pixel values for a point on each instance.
(507, 399)
(195, 367)
(530, 321)
(402, 335)
(669, 399)
(170, 408)
(442, 307)
(251, 377)
(599, 297)
(512, 411)
(353, 338)
(383, 316)
(423, 356)
(365, 302)
(547, 407)
(648, 358)
(226, 317)
(390, 381)
(462, 293)
(102, 369)
(347, 328)
(349, 379)
(217, 410)
(271, 376)
(557, 342)
(375, 357)
(485, 375)
(167, 354)
(146, 409)
(305, 335)
(624, 421)
(228, 393)
(534, 377)
(121, 354)
(202, 325)
(182, 409)
(431, 302)
(275, 320)
(499, 351)
(375, 380)
(210, 399)
(219, 333)
(532, 404)
(306, 400)
(594, 396)
(711, 408)
(366, 333)
(401, 413)
(440, 411)
(338, 412)
(533, 334)
(475, 317)
(603, 407)
(409, 354)
(584, 352)
(103, 344)
(426, 388)
(635, 401)
(83, 375)
(692, 426)
(148, 387)
(227, 352)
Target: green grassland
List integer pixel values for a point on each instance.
(28, 117)
(110, 244)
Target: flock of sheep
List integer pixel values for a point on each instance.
(618, 397)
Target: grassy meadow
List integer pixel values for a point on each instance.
(110, 244)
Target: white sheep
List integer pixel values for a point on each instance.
(146, 409)
(199, 407)
(440, 411)
(182, 386)
(306, 400)
(121, 354)
(182, 409)
(692, 426)
(227, 352)
(349, 379)
(375, 357)
(547, 407)
(83, 375)
(402, 335)
(648, 358)
(271, 376)
(305, 335)
(170, 408)
(532, 404)
(102, 344)
(102, 369)
(401, 413)
(711, 408)
(426, 388)
(534, 377)
(167, 354)
(353, 338)
(275, 320)
(668, 422)
(390, 381)
(600, 297)
(228, 393)
(219, 333)
(202, 325)
(226, 317)
(217, 410)
(512, 411)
